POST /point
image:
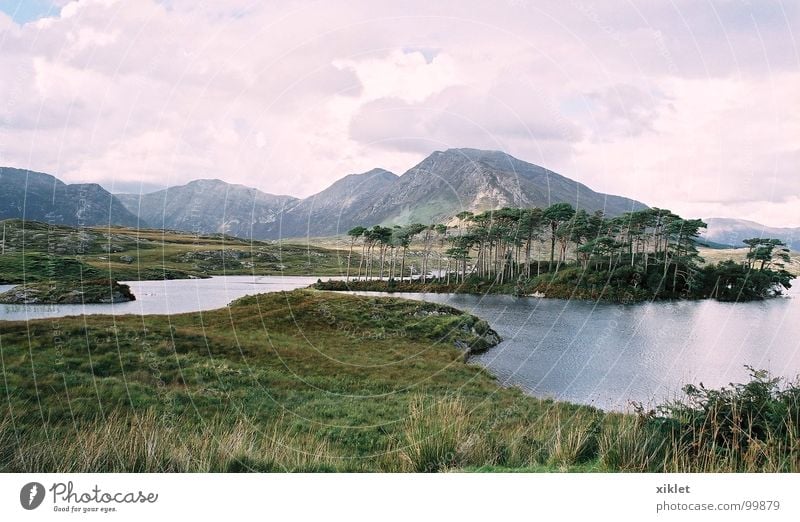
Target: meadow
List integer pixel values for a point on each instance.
(34, 251)
(318, 381)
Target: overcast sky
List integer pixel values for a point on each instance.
(683, 104)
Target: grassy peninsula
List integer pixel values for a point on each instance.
(319, 381)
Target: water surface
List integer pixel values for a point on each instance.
(166, 297)
(607, 355)
(591, 353)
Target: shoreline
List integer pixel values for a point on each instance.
(556, 291)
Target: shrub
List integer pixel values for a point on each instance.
(433, 434)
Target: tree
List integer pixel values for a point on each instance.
(530, 225)
(383, 236)
(441, 231)
(555, 215)
(404, 236)
(763, 251)
(354, 234)
(683, 234)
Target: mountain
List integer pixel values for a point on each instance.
(733, 231)
(338, 208)
(442, 185)
(449, 182)
(41, 197)
(211, 205)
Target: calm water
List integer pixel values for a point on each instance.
(608, 355)
(590, 353)
(166, 297)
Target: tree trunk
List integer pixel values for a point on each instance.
(349, 256)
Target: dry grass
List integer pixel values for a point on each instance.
(715, 255)
(435, 435)
(149, 443)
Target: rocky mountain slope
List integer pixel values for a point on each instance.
(37, 196)
(449, 182)
(210, 205)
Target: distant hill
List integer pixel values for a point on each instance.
(733, 231)
(210, 205)
(347, 203)
(41, 197)
(442, 185)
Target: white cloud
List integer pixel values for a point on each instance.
(688, 105)
(407, 76)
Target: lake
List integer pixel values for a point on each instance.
(607, 355)
(165, 297)
(590, 353)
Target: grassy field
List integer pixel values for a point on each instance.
(317, 381)
(715, 255)
(33, 251)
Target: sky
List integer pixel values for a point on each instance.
(682, 104)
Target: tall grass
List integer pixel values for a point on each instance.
(750, 427)
(435, 435)
(147, 443)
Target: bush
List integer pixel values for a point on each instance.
(433, 434)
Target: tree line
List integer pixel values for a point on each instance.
(652, 250)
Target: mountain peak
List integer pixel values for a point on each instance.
(38, 196)
(208, 181)
(369, 174)
(472, 154)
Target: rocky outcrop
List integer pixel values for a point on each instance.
(98, 291)
(470, 334)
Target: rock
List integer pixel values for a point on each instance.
(69, 292)
(461, 345)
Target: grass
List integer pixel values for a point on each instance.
(716, 255)
(435, 435)
(336, 370)
(34, 251)
(319, 381)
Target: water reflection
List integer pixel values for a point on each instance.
(608, 355)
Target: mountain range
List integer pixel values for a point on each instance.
(439, 187)
(732, 232)
(442, 185)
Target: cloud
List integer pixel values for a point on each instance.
(408, 75)
(623, 110)
(687, 105)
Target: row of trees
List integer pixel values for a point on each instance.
(656, 247)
